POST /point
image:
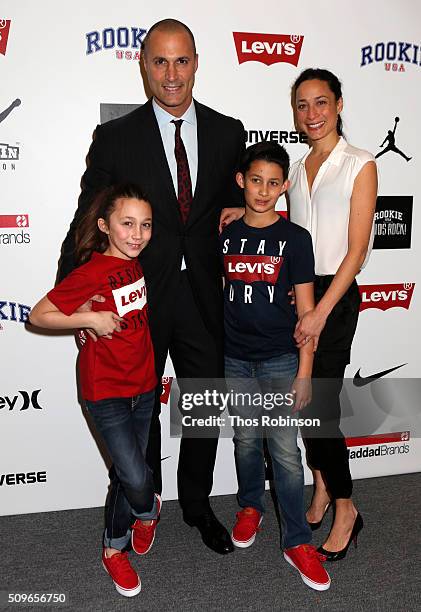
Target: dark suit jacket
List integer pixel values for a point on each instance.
(130, 149)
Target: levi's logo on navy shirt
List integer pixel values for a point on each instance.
(252, 268)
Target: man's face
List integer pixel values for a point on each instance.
(170, 64)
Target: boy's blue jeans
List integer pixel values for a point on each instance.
(270, 376)
(123, 424)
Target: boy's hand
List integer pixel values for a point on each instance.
(301, 388)
(228, 215)
(292, 296)
(105, 323)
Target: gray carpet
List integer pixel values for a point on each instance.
(60, 551)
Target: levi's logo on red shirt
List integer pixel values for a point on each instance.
(253, 268)
(386, 296)
(268, 48)
(131, 297)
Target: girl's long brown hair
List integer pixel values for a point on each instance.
(88, 236)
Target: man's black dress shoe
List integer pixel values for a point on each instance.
(214, 535)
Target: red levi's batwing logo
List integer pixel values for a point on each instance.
(166, 388)
(14, 220)
(253, 268)
(4, 34)
(268, 48)
(386, 296)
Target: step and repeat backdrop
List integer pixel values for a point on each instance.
(64, 68)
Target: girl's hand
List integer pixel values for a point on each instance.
(301, 388)
(309, 326)
(228, 215)
(105, 323)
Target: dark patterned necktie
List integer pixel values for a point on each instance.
(185, 195)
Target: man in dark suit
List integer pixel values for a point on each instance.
(187, 170)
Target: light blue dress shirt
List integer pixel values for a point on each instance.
(188, 135)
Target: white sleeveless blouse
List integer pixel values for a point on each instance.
(325, 211)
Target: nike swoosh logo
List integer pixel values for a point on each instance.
(163, 458)
(360, 381)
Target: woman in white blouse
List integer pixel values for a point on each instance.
(333, 195)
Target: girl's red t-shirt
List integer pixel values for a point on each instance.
(123, 366)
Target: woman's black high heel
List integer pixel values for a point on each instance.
(314, 526)
(337, 555)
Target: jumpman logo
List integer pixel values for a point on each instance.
(390, 139)
(9, 109)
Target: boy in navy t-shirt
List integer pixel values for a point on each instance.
(264, 257)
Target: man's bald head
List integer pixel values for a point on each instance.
(168, 26)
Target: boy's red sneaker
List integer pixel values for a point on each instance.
(125, 579)
(143, 536)
(306, 560)
(246, 527)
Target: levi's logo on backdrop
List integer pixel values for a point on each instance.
(386, 296)
(4, 34)
(131, 297)
(268, 48)
(166, 388)
(253, 268)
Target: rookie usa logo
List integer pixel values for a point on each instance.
(394, 54)
(126, 41)
(131, 297)
(268, 48)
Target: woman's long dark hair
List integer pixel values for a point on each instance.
(88, 236)
(321, 74)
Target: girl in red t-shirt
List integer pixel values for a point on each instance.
(116, 365)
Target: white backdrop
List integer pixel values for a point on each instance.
(49, 459)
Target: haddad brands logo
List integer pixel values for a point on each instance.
(17, 223)
(4, 35)
(22, 401)
(8, 153)
(396, 55)
(393, 222)
(23, 478)
(126, 41)
(281, 136)
(381, 443)
(268, 48)
(386, 296)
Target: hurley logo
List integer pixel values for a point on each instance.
(268, 48)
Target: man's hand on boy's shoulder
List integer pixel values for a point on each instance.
(228, 215)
